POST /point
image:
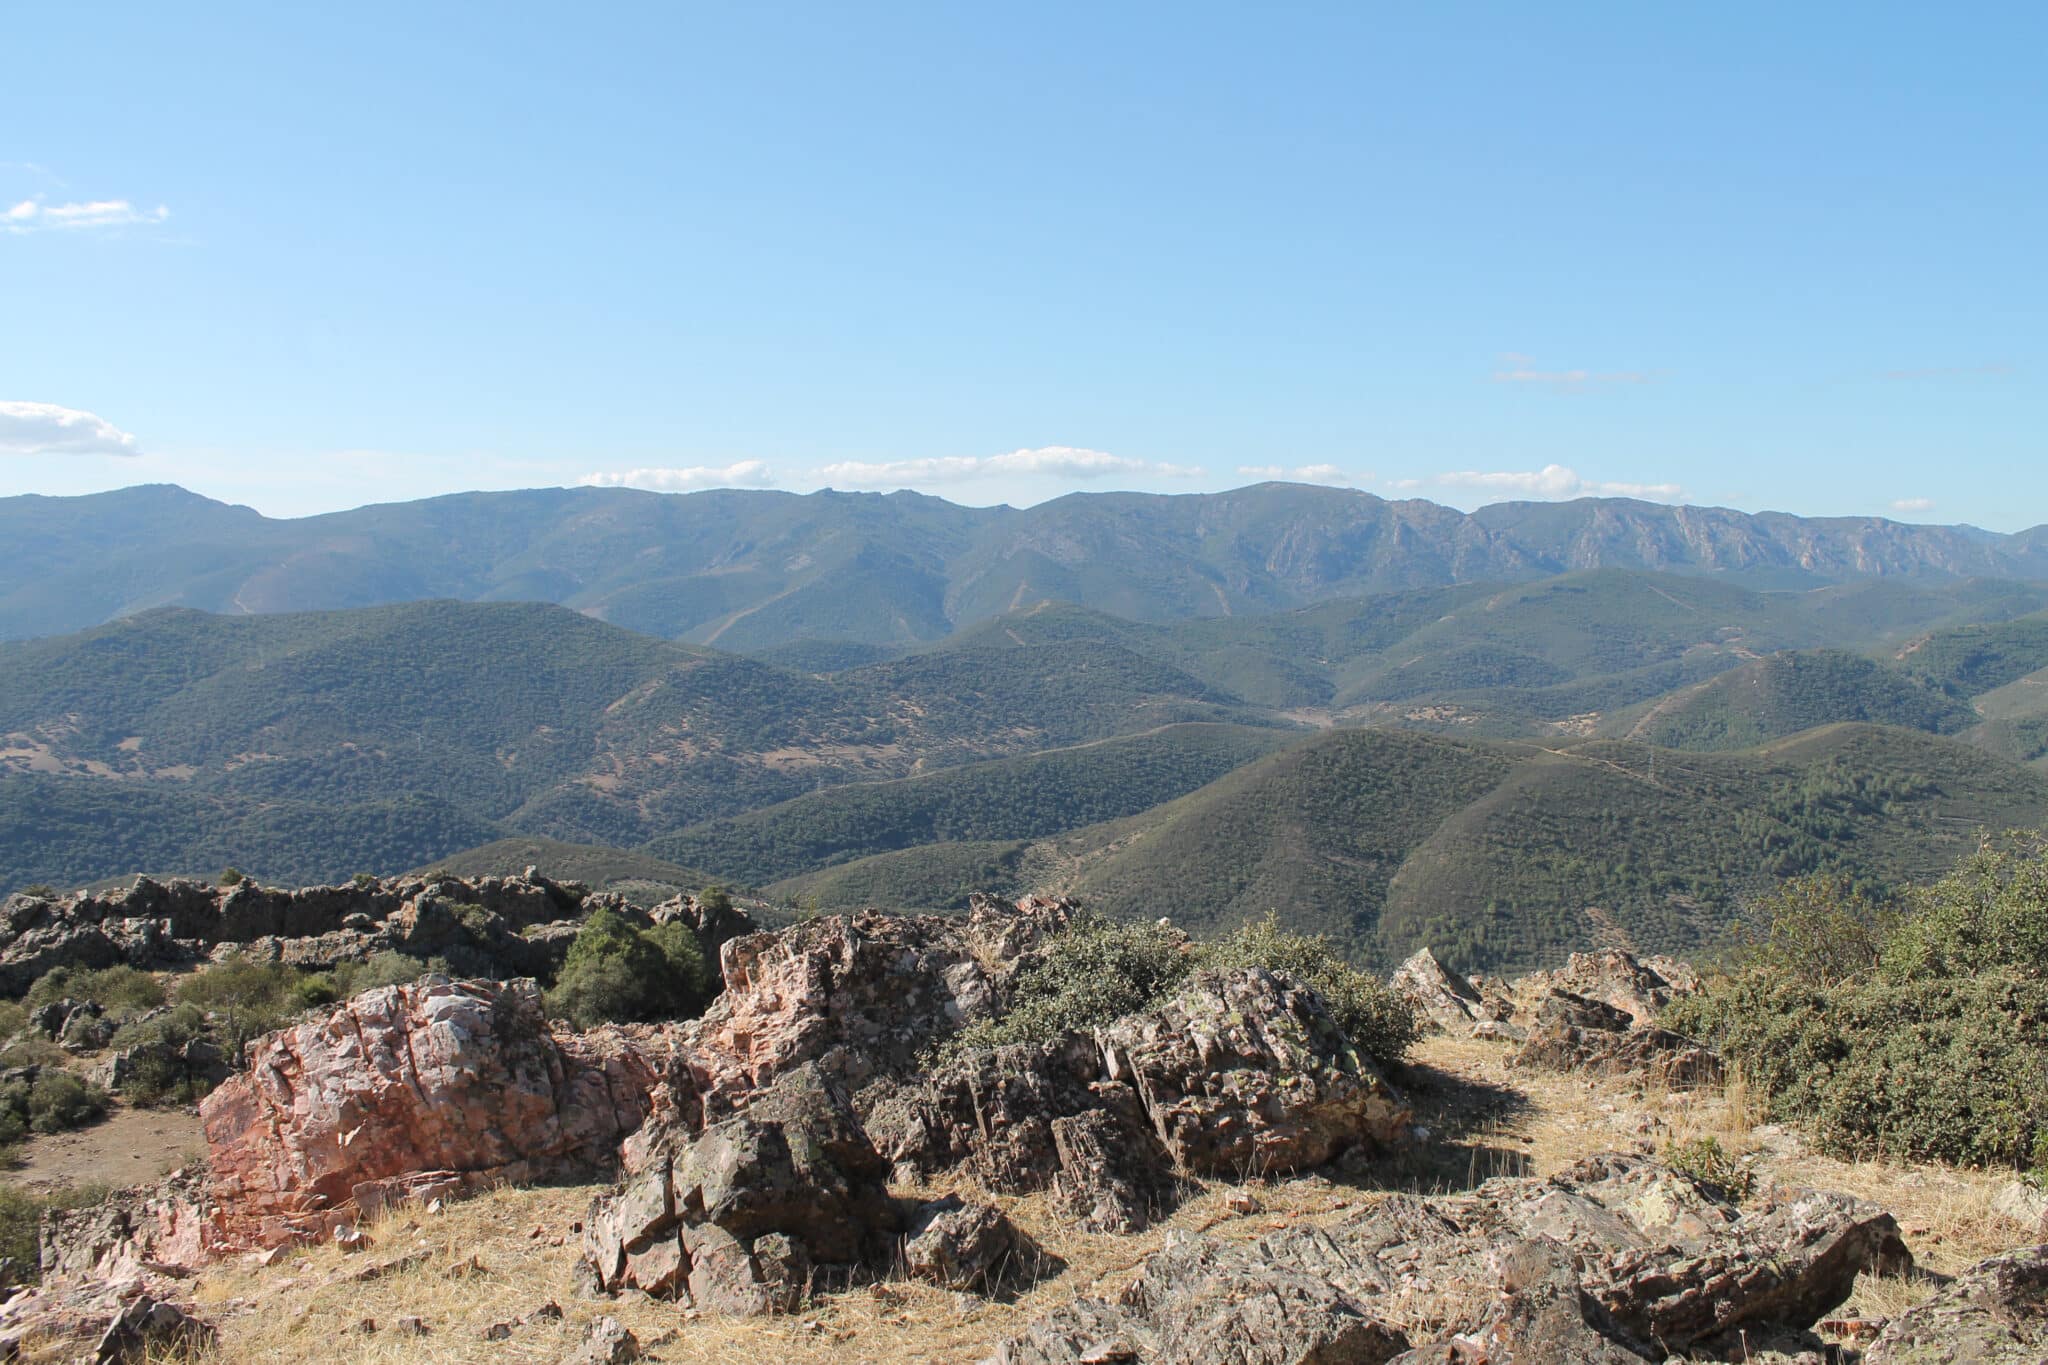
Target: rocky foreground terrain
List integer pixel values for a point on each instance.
(438, 1171)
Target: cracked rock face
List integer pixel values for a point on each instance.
(1242, 1073)
(733, 1219)
(463, 1080)
(1447, 1002)
(861, 995)
(1637, 986)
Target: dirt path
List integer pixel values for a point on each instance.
(128, 1147)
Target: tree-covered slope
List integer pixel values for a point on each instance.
(1502, 854)
(1026, 797)
(1794, 691)
(67, 832)
(522, 717)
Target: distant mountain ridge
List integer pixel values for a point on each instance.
(749, 570)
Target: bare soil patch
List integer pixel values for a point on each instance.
(128, 1147)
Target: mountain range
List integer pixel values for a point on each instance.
(748, 570)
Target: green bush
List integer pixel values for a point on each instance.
(617, 973)
(21, 1217)
(1819, 927)
(1093, 973)
(1098, 971)
(34, 1050)
(387, 968)
(157, 1073)
(1990, 913)
(59, 1102)
(1707, 1161)
(54, 1102)
(1921, 1035)
(115, 989)
(245, 998)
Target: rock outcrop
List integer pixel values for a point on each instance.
(1578, 1033)
(1616, 1260)
(1445, 1001)
(863, 996)
(1637, 986)
(126, 1320)
(1995, 1313)
(971, 1247)
(795, 1172)
(481, 926)
(1240, 1073)
(1596, 1013)
(450, 1082)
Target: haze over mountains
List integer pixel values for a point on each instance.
(746, 570)
(1369, 739)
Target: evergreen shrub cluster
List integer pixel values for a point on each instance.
(1915, 1030)
(617, 973)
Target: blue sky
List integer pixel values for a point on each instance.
(307, 257)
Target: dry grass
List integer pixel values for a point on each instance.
(308, 1307)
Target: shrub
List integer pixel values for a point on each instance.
(54, 1102)
(34, 1050)
(232, 876)
(59, 1102)
(1093, 973)
(21, 1217)
(1926, 1038)
(245, 998)
(617, 973)
(387, 968)
(157, 1072)
(1704, 1159)
(1818, 927)
(115, 989)
(1991, 912)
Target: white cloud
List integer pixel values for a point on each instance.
(35, 215)
(46, 429)
(1553, 481)
(1301, 473)
(1913, 504)
(1516, 368)
(1071, 462)
(739, 474)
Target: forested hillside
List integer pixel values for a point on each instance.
(1499, 854)
(1504, 771)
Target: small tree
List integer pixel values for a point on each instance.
(616, 973)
